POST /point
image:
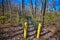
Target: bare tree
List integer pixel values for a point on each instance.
(8, 11)
(3, 11)
(44, 9)
(18, 14)
(54, 7)
(23, 8)
(35, 8)
(32, 8)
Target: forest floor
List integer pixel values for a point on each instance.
(51, 31)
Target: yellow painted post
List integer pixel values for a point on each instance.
(25, 30)
(39, 30)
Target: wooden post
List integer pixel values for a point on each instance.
(39, 31)
(25, 30)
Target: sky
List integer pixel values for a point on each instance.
(57, 2)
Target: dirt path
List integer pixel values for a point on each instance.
(10, 32)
